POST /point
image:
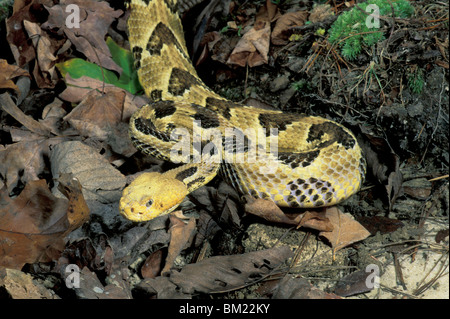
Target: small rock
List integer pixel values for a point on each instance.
(280, 83)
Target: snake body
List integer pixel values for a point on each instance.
(316, 162)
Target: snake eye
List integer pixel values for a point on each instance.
(149, 203)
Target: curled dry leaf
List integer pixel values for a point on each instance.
(99, 179)
(34, 223)
(9, 72)
(224, 273)
(181, 235)
(44, 70)
(7, 104)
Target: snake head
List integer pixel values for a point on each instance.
(151, 195)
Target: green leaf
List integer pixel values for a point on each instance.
(128, 80)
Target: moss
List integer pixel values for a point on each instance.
(351, 32)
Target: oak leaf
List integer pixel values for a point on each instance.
(34, 223)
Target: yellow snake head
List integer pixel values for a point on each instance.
(151, 195)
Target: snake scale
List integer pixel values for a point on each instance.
(314, 162)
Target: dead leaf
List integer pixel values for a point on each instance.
(181, 235)
(419, 188)
(160, 288)
(383, 164)
(78, 89)
(44, 70)
(7, 104)
(18, 285)
(280, 33)
(92, 288)
(9, 72)
(52, 116)
(253, 47)
(21, 48)
(25, 161)
(345, 231)
(77, 211)
(34, 224)
(298, 288)
(98, 115)
(224, 273)
(100, 180)
(152, 265)
(96, 16)
(381, 224)
(354, 283)
(83, 253)
(268, 210)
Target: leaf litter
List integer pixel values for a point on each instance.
(87, 123)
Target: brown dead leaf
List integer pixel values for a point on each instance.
(160, 288)
(16, 36)
(89, 37)
(78, 89)
(354, 283)
(224, 273)
(7, 104)
(100, 180)
(384, 165)
(25, 161)
(381, 224)
(181, 235)
(152, 265)
(268, 210)
(34, 223)
(19, 285)
(300, 288)
(345, 231)
(9, 72)
(44, 70)
(253, 47)
(92, 288)
(77, 211)
(280, 33)
(98, 114)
